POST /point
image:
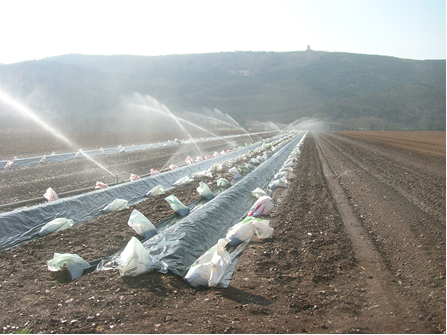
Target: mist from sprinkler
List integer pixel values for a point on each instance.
(225, 122)
(98, 164)
(183, 128)
(304, 123)
(178, 119)
(29, 113)
(228, 116)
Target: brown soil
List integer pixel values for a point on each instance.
(424, 142)
(358, 247)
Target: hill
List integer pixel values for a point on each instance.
(350, 91)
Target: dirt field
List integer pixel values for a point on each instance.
(358, 247)
(430, 143)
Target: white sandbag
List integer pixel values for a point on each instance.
(281, 182)
(173, 166)
(134, 177)
(203, 174)
(286, 170)
(243, 169)
(262, 206)
(263, 229)
(189, 160)
(182, 181)
(255, 161)
(99, 185)
(8, 164)
(280, 175)
(246, 228)
(142, 226)
(55, 226)
(250, 167)
(154, 172)
(135, 259)
(210, 268)
(43, 159)
(216, 167)
(222, 182)
(205, 191)
(156, 190)
(72, 262)
(50, 195)
(235, 172)
(115, 205)
(289, 163)
(177, 205)
(240, 232)
(258, 192)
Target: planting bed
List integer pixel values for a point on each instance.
(359, 246)
(31, 182)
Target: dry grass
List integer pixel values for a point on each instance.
(431, 143)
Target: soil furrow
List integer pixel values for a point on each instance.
(411, 242)
(427, 185)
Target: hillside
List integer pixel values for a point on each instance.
(350, 91)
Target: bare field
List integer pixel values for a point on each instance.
(358, 247)
(425, 142)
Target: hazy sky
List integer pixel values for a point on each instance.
(35, 29)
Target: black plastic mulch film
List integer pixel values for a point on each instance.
(178, 246)
(22, 225)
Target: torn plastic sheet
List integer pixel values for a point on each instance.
(181, 244)
(23, 225)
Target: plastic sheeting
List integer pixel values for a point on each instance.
(179, 245)
(28, 161)
(22, 225)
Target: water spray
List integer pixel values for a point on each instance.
(101, 166)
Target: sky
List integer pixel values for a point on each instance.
(32, 30)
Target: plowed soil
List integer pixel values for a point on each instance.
(358, 247)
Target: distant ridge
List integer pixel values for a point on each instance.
(349, 91)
